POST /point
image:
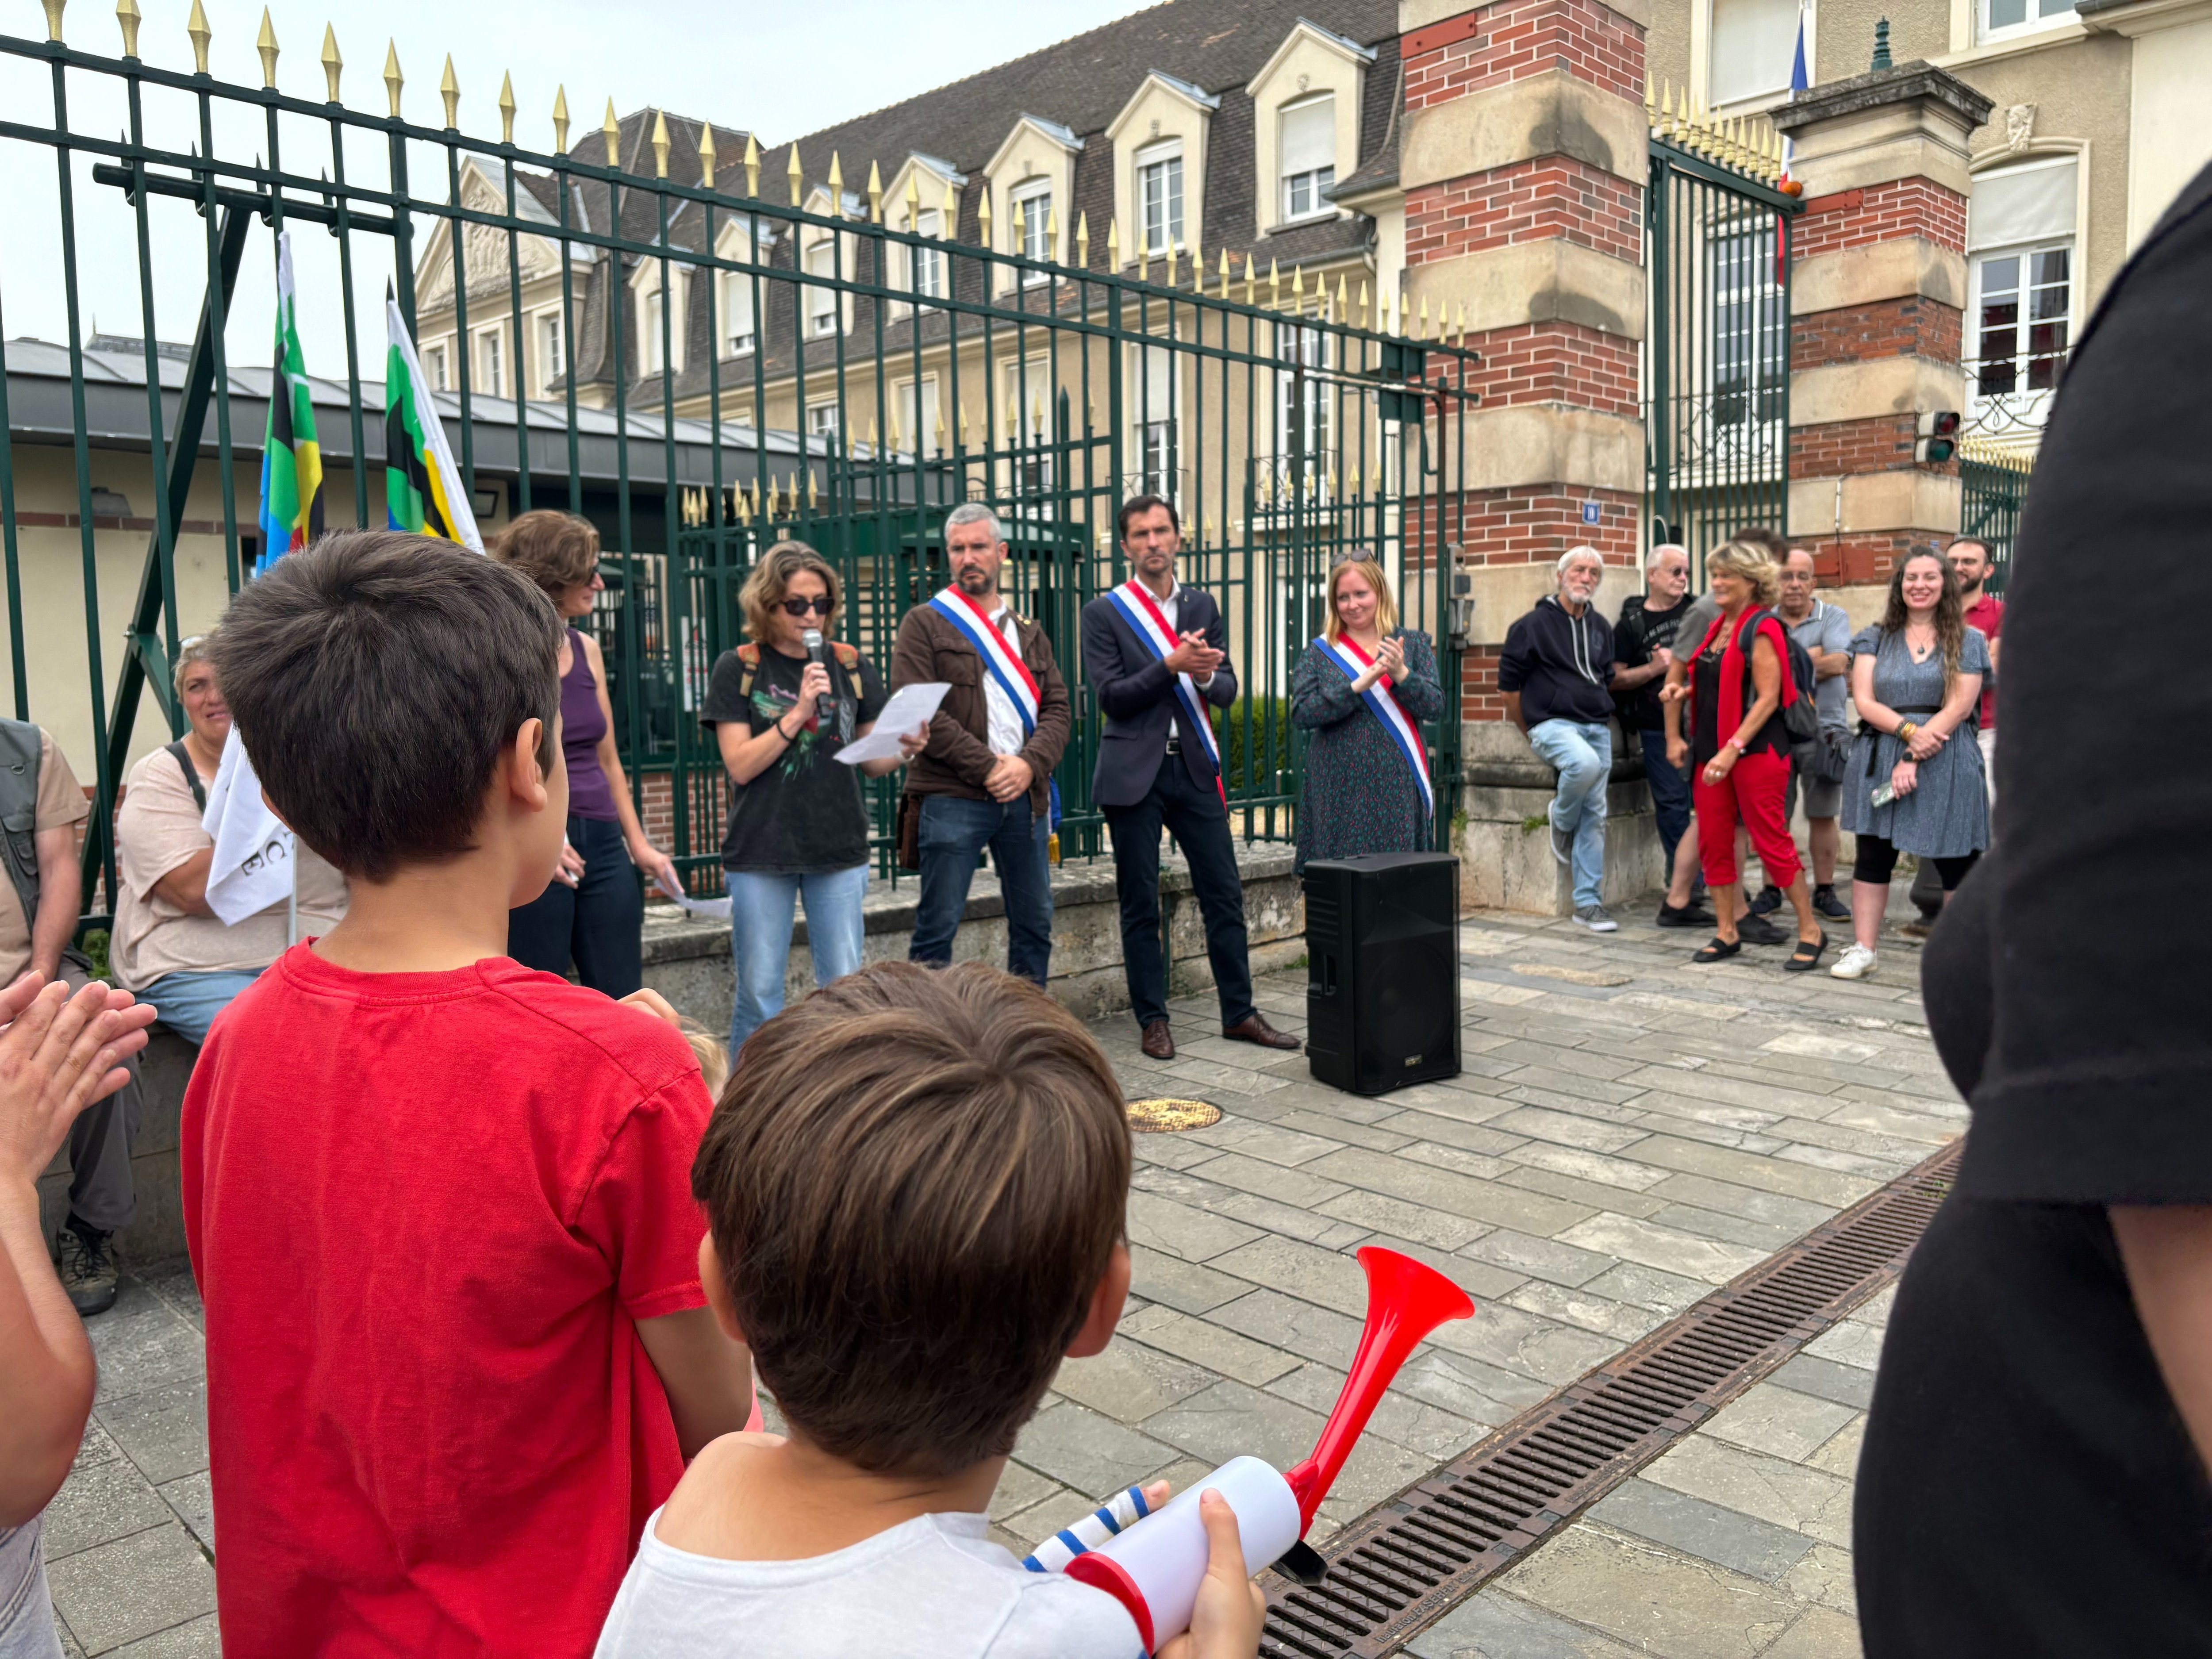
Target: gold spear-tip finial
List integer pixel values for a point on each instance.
(126, 13)
(611, 131)
(797, 174)
(1224, 273)
(561, 119)
(507, 107)
(1362, 302)
(951, 227)
(1114, 245)
(334, 65)
(660, 143)
(1297, 286)
(53, 8)
(752, 166)
(265, 43)
(1251, 268)
(1343, 300)
(1275, 283)
(913, 200)
(196, 27)
(706, 155)
(836, 184)
(984, 217)
(1083, 239)
(450, 89)
(393, 81)
(875, 194)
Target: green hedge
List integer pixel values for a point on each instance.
(1267, 722)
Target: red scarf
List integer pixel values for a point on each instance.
(1734, 665)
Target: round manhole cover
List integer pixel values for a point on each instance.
(1152, 1117)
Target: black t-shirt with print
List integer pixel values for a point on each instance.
(1640, 633)
(804, 814)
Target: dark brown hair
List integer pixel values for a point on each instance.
(1776, 544)
(915, 1178)
(556, 550)
(375, 677)
(1950, 615)
(1136, 507)
(771, 581)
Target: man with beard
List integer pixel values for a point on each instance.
(1156, 653)
(986, 778)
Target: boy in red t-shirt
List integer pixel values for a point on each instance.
(438, 1203)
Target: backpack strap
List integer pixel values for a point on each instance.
(848, 659)
(177, 751)
(19, 808)
(748, 660)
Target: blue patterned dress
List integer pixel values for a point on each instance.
(1359, 796)
(1947, 815)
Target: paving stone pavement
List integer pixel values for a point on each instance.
(1630, 1131)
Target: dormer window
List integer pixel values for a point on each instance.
(821, 297)
(1159, 196)
(1032, 214)
(1309, 156)
(928, 263)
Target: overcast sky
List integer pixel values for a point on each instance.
(779, 70)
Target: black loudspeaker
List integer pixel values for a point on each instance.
(1382, 971)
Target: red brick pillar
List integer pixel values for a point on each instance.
(1523, 163)
(1878, 291)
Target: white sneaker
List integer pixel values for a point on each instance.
(1856, 963)
(1593, 916)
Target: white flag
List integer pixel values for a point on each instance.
(253, 866)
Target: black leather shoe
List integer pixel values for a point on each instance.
(1254, 1027)
(1156, 1041)
(1688, 916)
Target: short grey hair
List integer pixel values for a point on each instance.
(189, 651)
(1586, 551)
(1651, 562)
(973, 513)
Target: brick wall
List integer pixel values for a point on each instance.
(1492, 44)
(1882, 444)
(1557, 363)
(1881, 213)
(1914, 327)
(1544, 198)
(1856, 560)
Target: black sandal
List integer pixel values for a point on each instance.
(1800, 963)
(1719, 951)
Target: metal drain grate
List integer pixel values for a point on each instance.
(1404, 1565)
(1165, 1116)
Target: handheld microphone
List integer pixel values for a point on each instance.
(825, 708)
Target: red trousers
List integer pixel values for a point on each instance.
(1752, 791)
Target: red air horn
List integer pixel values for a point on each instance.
(1154, 1568)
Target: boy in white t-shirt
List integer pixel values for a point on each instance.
(915, 1188)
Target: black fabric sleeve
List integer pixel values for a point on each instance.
(2100, 1064)
(1513, 661)
(872, 694)
(723, 704)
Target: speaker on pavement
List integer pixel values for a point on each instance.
(1382, 971)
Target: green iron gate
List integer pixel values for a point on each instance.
(628, 328)
(1993, 490)
(1716, 342)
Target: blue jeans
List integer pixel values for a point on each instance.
(1581, 754)
(1670, 794)
(954, 831)
(596, 922)
(188, 1002)
(760, 936)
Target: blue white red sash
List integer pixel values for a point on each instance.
(1142, 612)
(1384, 705)
(1004, 664)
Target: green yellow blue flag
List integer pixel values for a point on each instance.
(291, 458)
(421, 486)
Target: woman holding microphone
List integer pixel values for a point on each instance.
(798, 823)
(1734, 683)
(1362, 689)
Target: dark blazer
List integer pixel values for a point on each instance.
(1136, 695)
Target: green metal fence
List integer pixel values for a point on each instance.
(1993, 489)
(1716, 344)
(723, 370)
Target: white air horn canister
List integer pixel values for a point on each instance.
(1154, 1568)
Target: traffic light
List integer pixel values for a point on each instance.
(1938, 436)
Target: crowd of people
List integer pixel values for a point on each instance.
(1742, 701)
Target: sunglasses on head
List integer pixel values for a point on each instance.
(820, 604)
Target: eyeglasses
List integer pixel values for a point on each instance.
(821, 605)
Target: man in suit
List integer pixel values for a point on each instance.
(1156, 655)
(986, 778)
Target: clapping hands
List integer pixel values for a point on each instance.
(1193, 656)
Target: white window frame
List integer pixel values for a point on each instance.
(491, 362)
(552, 347)
(926, 266)
(1166, 161)
(1157, 440)
(823, 304)
(918, 418)
(1741, 277)
(1315, 348)
(2034, 22)
(2022, 356)
(822, 420)
(737, 296)
(649, 306)
(1030, 211)
(1758, 96)
(434, 368)
(1313, 181)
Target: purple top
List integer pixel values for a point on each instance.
(582, 726)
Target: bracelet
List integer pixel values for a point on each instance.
(1905, 730)
(787, 736)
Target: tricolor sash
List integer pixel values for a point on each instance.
(1142, 612)
(1385, 708)
(1003, 665)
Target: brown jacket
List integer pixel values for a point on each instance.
(958, 758)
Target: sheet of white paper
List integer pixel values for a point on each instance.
(714, 909)
(910, 706)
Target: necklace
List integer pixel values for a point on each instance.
(1920, 652)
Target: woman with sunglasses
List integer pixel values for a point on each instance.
(798, 823)
(593, 909)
